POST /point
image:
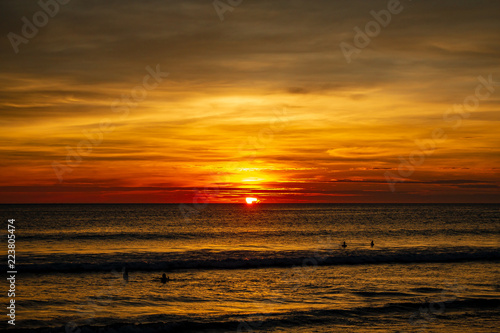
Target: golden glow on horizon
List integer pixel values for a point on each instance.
(286, 119)
(251, 200)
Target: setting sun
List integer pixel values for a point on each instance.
(252, 200)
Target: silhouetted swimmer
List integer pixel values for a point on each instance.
(372, 244)
(164, 278)
(125, 274)
(344, 245)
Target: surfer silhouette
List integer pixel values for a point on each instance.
(344, 245)
(372, 244)
(125, 274)
(164, 278)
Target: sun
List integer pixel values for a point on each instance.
(251, 200)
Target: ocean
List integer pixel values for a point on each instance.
(256, 268)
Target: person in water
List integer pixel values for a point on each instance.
(164, 278)
(344, 245)
(372, 244)
(125, 274)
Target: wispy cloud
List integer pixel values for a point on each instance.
(345, 122)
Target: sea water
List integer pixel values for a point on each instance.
(257, 268)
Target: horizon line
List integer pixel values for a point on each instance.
(243, 203)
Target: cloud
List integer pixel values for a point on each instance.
(345, 121)
(357, 152)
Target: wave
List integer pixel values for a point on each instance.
(74, 236)
(182, 234)
(381, 294)
(426, 290)
(268, 319)
(211, 259)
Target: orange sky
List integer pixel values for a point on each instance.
(263, 103)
